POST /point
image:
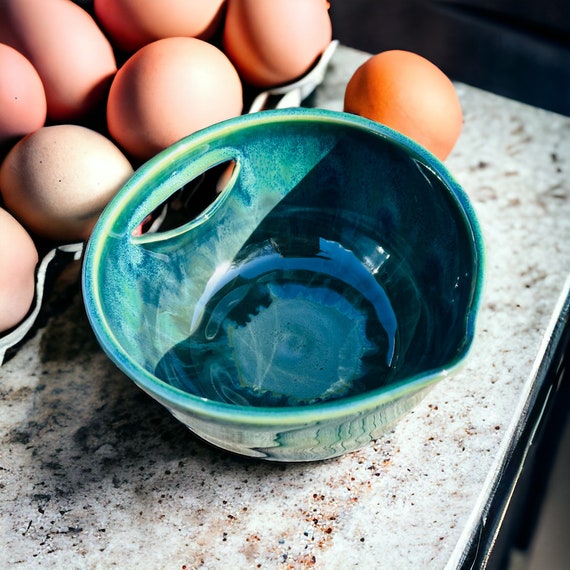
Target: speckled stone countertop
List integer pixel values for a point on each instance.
(94, 474)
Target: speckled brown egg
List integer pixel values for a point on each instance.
(69, 51)
(22, 98)
(57, 180)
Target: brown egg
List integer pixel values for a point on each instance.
(70, 53)
(57, 180)
(131, 24)
(22, 97)
(18, 260)
(408, 93)
(168, 89)
(275, 41)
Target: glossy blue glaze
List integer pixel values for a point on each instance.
(334, 279)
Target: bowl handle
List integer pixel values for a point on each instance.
(183, 166)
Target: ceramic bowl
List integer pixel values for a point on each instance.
(331, 282)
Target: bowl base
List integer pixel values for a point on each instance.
(280, 329)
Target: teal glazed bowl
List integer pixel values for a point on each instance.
(330, 283)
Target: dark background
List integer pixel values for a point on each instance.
(516, 48)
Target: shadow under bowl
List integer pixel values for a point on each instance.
(333, 280)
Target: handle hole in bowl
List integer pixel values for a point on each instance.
(190, 201)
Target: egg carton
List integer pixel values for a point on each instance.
(182, 203)
(50, 265)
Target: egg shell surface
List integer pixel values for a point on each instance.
(69, 51)
(169, 89)
(23, 104)
(18, 260)
(57, 180)
(407, 92)
(277, 41)
(131, 24)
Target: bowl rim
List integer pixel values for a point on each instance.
(181, 401)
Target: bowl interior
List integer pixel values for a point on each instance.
(340, 258)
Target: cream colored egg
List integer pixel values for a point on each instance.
(57, 180)
(18, 260)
